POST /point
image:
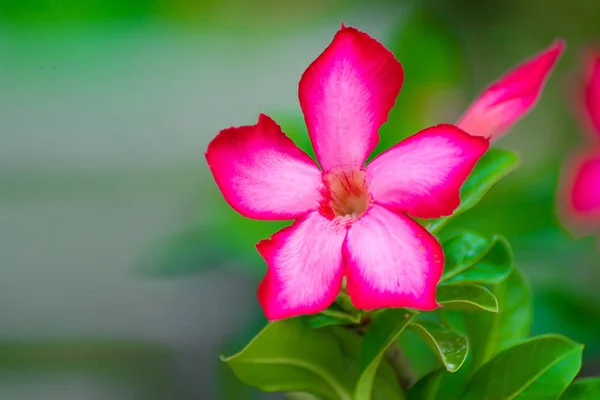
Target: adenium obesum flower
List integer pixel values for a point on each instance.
(351, 220)
(581, 184)
(510, 98)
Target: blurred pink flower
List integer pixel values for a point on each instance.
(350, 219)
(510, 98)
(580, 197)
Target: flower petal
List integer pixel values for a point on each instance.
(261, 172)
(581, 192)
(391, 261)
(346, 95)
(591, 93)
(422, 175)
(586, 186)
(503, 103)
(305, 268)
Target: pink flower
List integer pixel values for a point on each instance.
(510, 98)
(581, 183)
(350, 219)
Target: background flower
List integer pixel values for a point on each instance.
(580, 197)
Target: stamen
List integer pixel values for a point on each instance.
(345, 194)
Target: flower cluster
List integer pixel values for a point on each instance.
(353, 220)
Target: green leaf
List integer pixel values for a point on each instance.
(583, 389)
(452, 383)
(461, 251)
(288, 356)
(467, 297)
(433, 56)
(493, 166)
(493, 268)
(489, 333)
(422, 359)
(451, 347)
(427, 387)
(540, 368)
(386, 385)
(382, 333)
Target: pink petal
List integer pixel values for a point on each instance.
(591, 95)
(261, 172)
(581, 192)
(422, 175)
(507, 100)
(586, 186)
(346, 95)
(391, 261)
(305, 268)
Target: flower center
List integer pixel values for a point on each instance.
(345, 194)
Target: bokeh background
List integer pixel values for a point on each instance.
(123, 274)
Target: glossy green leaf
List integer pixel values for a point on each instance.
(493, 166)
(461, 251)
(467, 297)
(453, 383)
(382, 333)
(540, 368)
(433, 56)
(583, 389)
(494, 267)
(288, 356)
(490, 333)
(422, 359)
(451, 347)
(427, 387)
(386, 385)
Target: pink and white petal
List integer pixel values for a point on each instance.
(591, 94)
(391, 261)
(261, 172)
(423, 174)
(346, 95)
(510, 98)
(580, 193)
(305, 268)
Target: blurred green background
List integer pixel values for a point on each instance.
(124, 274)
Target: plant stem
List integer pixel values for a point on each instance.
(341, 315)
(401, 366)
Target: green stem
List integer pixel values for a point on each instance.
(341, 315)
